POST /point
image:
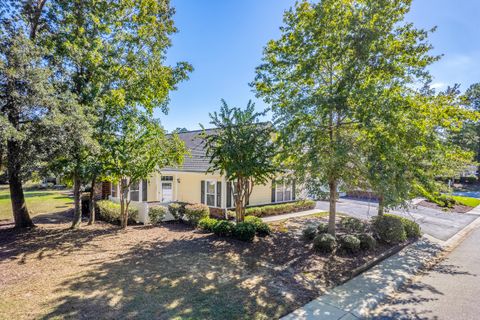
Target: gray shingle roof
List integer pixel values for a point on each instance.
(197, 160)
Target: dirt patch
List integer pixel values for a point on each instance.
(458, 208)
(164, 272)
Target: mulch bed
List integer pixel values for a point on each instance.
(458, 208)
(164, 272)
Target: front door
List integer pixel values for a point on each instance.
(167, 192)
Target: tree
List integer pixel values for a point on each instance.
(29, 108)
(113, 54)
(241, 148)
(180, 130)
(137, 146)
(320, 77)
(404, 145)
(468, 137)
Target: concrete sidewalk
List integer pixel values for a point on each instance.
(357, 297)
(291, 215)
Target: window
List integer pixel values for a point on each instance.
(167, 178)
(134, 191)
(113, 192)
(210, 189)
(280, 191)
(283, 192)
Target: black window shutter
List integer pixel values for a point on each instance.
(248, 199)
(144, 190)
(229, 194)
(273, 190)
(293, 190)
(219, 194)
(202, 193)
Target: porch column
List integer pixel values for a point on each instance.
(224, 196)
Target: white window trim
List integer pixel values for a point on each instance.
(284, 186)
(214, 195)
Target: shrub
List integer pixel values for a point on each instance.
(252, 219)
(275, 209)
(309, 233)
(350, 243)
(324, 242)
(261, 227)
(322, 228)
(389, 228)
(207, 224)
(176, 210)
(351, 224)
(244, 231)
(367, 241)
(223, 228)
(412, 229)
(195, 212)
(110, 212)
(156, 214)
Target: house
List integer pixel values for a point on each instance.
(192, 184)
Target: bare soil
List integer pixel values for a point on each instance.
(161, 272)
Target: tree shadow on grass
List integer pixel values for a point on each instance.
(202, 278)
(49, 240)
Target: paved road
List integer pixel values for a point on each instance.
(449, 291)
(437, 223)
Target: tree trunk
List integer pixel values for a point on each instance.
(381, 205)
(91, 201)
(19, 207)
(77, 214)
(332, 185)
(124, 203)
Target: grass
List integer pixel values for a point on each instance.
(467, 201)
(38, 202)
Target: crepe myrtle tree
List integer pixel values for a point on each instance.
(242, 149)
(320, 75)
(137, 147)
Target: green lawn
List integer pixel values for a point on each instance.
(466, 201)
(38, 202)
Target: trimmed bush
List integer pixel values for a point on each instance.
(157, 214)
(261, 227)
(367, 241)
(110, 212)
(350, 243)
(252, 219)
(309, 233)
(195, 212)
(324, 242)
(176, 210)
(207, 224)
(352, 225)
(244, 231)
(389, 228)
(412, 229)
(275, 209)
(223, 228)
(322, 228)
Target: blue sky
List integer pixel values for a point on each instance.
(224, 39)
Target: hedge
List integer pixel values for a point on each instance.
(110, 212)
(156, 214)
(196, 212)
(274, 209)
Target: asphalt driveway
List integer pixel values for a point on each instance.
(436, 223)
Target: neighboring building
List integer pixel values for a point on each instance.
(191, 183)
